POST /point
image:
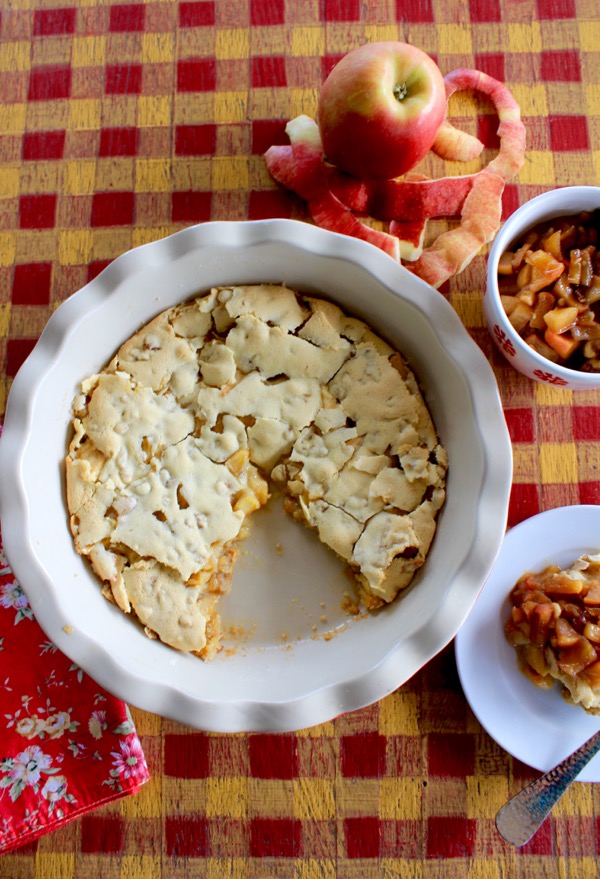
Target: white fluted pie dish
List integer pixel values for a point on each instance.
(293, 657)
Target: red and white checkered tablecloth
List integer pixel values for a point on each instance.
(121, 122)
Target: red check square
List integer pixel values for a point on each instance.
(118, 141)
(417, 11)
(31, 283)
(103, 833)
(560, 66)
(186, 837)
(126, 17)
(49, 83)
(265, 14)
(123, 79)
(197, 14)
(484, 10)
(275, 838)
(520, 425)
(586, 423)
(328, 62)
(363, 755)
(340, 10)
(198, 75)
(37, 211)
(195, 140)
(553, 10)
(97, 266)
(524, 503)
(491, 63)
(268, 71)
(361, 836)
(43, 145)
(186, 756)
(273, 756)
(266, 133)
(510, 200)
(54, 22)
(450, 755)
(589, 492)
(263, 205)
(450, 836)
(487, 131)
(112, 209)
(543, 841)
(568, 133)
(191, 207)
(17, 352)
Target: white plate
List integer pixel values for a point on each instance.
(264, 683)
(536, 726)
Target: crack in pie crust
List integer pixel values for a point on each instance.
(175, 443)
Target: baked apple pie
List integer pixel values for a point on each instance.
(183, 434)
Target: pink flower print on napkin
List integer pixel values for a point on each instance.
(66, 745)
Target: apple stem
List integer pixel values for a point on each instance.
(400, 91)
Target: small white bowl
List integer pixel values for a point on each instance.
(555, 203)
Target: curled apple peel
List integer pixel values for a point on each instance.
(455, 145)
(511, 130)
(414, 196)
(453, 250)
(451, 143)
(300, 168)
(335, 200)
(481, 213)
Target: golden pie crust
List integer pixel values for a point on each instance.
(180, 438)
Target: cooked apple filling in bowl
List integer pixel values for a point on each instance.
(541, 301)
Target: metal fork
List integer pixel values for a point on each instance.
(522, 816)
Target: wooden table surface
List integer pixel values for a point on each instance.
(123, 122)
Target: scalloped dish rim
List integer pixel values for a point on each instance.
(272, 688)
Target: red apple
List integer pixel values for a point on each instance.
(380, 109)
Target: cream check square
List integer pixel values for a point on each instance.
(398, 715)
(15, 56)
(524, 37)
(314, 799)
(12, 119)
(140, 866)
(558, 463)
(400, 798)
(158, 48)
(232, 43)
(227, 797)
(9, 182)
(454, 39)
(75, 246)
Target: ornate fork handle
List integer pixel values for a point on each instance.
(519, 819)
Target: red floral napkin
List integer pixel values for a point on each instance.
(66, 746)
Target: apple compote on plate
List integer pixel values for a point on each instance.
(554, 626)
(550, 288)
